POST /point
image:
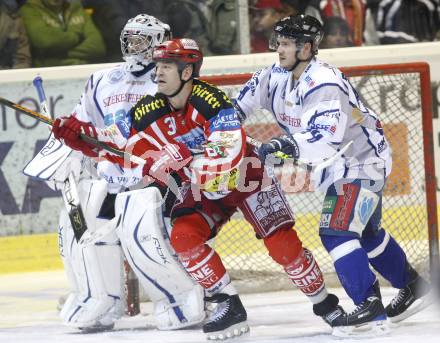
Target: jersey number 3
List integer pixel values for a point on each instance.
(171, 125)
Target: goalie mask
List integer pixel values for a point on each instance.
(139, 37)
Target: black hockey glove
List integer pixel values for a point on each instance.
(282, 147)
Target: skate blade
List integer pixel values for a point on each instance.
(96, 328)
(416, 306)
(370, 329)
(231, 332)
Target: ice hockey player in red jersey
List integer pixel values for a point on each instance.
(190, 130)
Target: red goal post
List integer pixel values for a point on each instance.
(401, 95)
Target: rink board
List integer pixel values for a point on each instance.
(39, 252)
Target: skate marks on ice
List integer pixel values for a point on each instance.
(28, 315)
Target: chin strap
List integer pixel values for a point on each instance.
(298, 61)
(182, 83)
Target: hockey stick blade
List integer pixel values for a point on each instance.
(74, 208)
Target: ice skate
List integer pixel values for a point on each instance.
(228, 318)
(413, 298)
(367, 319)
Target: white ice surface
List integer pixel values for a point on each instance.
(28, 314)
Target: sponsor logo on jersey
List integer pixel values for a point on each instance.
(344, 207)
(365, 210)
(310, 81)
(124, 126)
(329, 204)
(325, 220)
(192, 139)
(381, 146)
(290, 121)
(279, 70)
(202, 92)
(270, 210)
(225, 120)
(126, 97)
(143, 109)
(325, 127)
(315, 127)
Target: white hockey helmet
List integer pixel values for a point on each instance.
(138, 38)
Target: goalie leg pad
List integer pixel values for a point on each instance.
(97, 269)
(147, 249)
(68, 251)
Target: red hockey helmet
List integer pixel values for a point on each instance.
(183, 51)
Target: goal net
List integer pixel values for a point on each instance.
(400, 94)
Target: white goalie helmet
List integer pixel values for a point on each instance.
(138, 38)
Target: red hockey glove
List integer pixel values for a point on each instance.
(171, 158)
(68, 129)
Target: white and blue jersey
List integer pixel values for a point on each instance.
(107, 99)
(323, 113)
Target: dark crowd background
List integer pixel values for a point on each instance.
(42, 33)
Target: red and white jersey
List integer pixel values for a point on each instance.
(106, 102)
(208, 123)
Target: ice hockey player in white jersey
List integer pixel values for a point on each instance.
(95, 271)
(321, 113)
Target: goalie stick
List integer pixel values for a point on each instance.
(172, 184)
(76, 215)
(70, 192)
(49, 121)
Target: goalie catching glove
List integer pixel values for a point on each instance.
(68, 130)
(282, 147)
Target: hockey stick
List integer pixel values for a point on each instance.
(84, 137)
(93, 237)
(70, 191)
(172, 184)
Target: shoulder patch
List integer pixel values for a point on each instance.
(115, 75)
(208, 99)
(147, 110)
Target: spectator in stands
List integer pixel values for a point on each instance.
(110, 17)
(405, 22)
(187, 19)
(265, 13)
(352, 11)
(336, 33)
(61, 33)
(223, 39)
(14, 44)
